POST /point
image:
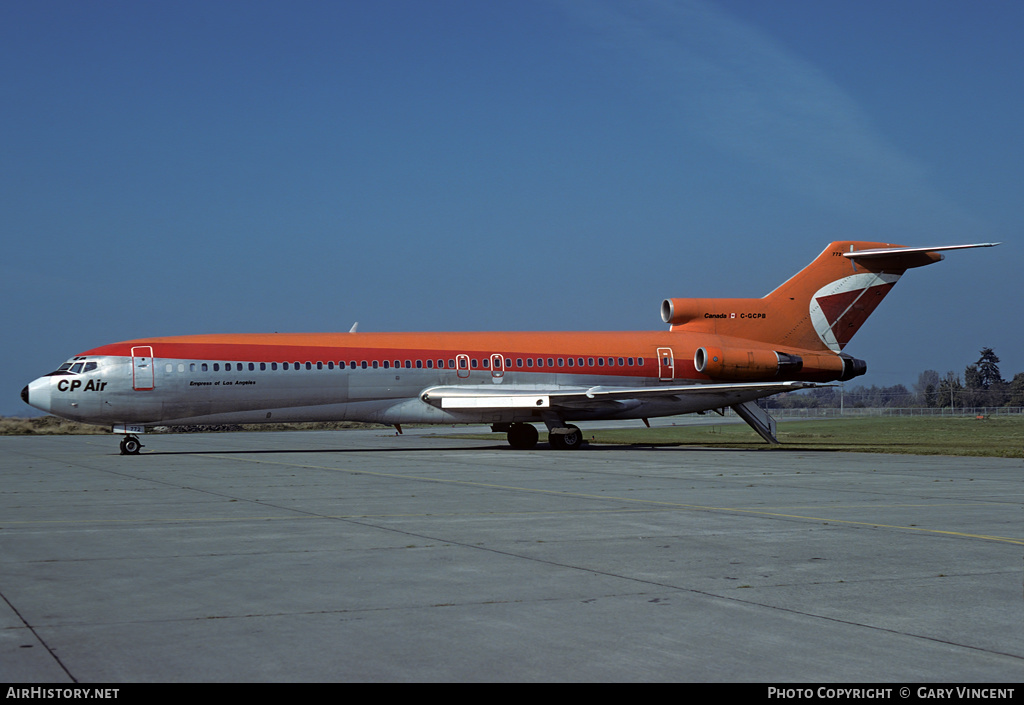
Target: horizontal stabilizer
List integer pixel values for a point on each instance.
(890, 251)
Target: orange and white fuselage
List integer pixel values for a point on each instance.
(718, 353)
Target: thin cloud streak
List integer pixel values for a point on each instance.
(750, 97)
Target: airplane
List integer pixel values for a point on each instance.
(717, 353)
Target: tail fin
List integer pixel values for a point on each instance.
(820, 307)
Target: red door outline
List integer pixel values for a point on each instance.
(143, 375)
(497, 365)
(666, 365)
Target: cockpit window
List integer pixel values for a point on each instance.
(76, 365)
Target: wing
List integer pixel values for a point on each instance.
(546, 397)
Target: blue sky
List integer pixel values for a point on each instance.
(197, 167)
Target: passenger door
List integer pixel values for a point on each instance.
(666, 365)
(143, 376)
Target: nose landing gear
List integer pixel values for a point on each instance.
(130, 445)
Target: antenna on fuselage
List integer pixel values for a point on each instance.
(353, 328)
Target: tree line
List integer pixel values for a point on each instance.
(981, 385)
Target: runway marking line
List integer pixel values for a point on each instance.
(672, 505)
(650, 503)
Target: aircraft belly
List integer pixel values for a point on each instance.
(261, 397)
(358, 395)
(387, 384)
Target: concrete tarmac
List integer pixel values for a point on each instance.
(364, 556)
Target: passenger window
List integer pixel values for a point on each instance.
(216, 367)
(419, 364)
(204, 367)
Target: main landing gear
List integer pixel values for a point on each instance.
(567, 438)
(130, 445)
(523, 436)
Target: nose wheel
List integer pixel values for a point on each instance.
(130, 445)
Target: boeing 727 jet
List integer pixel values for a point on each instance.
(716, 354)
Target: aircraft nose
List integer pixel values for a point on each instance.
(37, 393)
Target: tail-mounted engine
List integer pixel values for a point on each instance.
(732, 363)
(740, 364)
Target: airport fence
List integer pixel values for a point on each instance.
(853, 412)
